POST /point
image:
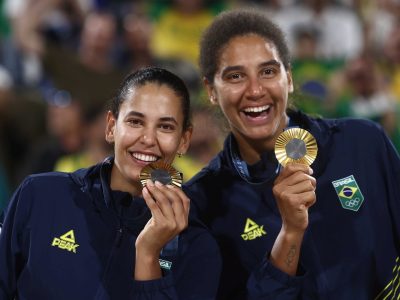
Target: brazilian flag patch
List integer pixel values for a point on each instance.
(349, 193)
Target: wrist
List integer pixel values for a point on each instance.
(291, 235)
(147, 255)
(285, 252)
(147, 266)
(147, 248)
(292, 231)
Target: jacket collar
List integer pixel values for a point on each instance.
(115, 206)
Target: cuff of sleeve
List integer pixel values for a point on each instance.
(268, 282)
(269, 270)
(153, 285)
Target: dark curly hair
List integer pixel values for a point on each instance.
(230, 24)
(154, 75)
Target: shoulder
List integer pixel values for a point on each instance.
(354, 124)
(354, 128)
(37, 193)
(359, 130)
(39, 189)
(46, 180)
(207, 174)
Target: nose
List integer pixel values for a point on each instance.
(255, 89)
(148, 137)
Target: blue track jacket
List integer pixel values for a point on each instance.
(68, 236)
(351, 247)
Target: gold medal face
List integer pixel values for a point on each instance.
(296, 145)
(162, 172)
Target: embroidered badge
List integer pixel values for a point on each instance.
(252, 230)
(349, 193)
(66, 242)
(165, 264)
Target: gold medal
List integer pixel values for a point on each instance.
(162, 172)
(296, 145)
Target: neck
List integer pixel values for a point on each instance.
(118, 183)
(248, 150)
(251, 150)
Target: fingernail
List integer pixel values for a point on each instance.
(158, 183)
(311, 171)
(149, 182)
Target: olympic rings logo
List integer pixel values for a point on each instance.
(352, 202)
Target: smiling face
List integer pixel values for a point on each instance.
(251, 86)
(149, 127)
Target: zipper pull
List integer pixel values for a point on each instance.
(119, 236)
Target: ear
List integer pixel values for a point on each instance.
(110, 127)
(210, 91)
(185, 140)
(290, 81)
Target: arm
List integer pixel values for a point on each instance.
(294, 191)
(391, 173)
(11, 263)
(169, 207)
(196, 269)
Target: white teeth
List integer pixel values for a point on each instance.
(257, 109)
(144, 157)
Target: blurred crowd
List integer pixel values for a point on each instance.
(62, 60)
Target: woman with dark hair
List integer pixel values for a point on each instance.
(97, 233)
(291, 231)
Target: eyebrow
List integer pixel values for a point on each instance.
(273, 62)
(163, 119)
(169, 119)
(135, 113)
(228, 69)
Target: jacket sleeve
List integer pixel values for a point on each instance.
(196, 276)
(200, 266)
(268, 282)
(12, 235)
(391, 173)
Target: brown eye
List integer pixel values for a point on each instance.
(134, 122)
(268, 72)
(234, 77)
(167, 127)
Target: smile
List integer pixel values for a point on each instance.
(256, 111)
(144, 157)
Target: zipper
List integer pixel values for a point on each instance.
(120, 233)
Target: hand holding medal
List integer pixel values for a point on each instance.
(294, 188)
(168, 205)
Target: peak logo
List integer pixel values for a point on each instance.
(252, 230)
(66, 242)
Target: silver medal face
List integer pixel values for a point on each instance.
(296, 148)
(160, 176)
(162, 172)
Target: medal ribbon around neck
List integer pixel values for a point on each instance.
(296, 145)
(241, 166)
(162, 172)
